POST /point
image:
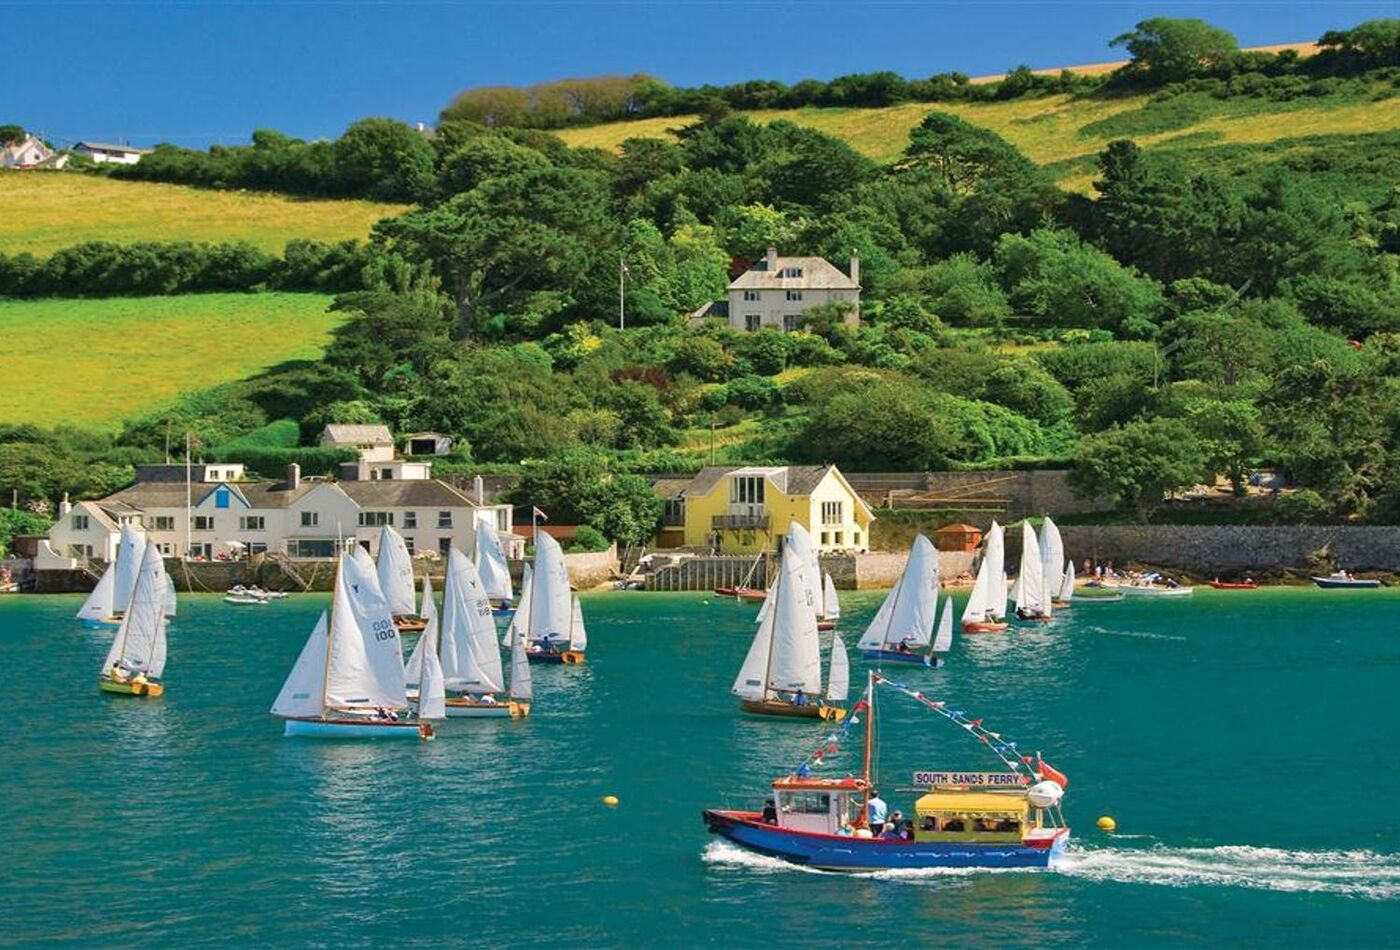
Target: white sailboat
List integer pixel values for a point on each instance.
(395, 572)
(943, 639)
(170, 603)
(349, 680)
(831, 604)
(519, 624)
(798, 537)
(423, 677)
(99, 610)
(1032, 596)
(1052, 560)
(986, 605)
(549, 625)
(904, 623)
(781, 674)
(107, 603)
(1066, 594)
(136, 659)
(471, 659)
(838, 674)
(491, 562)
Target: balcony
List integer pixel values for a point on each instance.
(744, 522)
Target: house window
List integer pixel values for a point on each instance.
(791, 322)
(794, 295)
(386, 474)
(376, 519)
(410, 519)
(408, 543)
(310, 519)
(831, 512)
(251, 523)
(752, 321)
(791, 272)
(502, 520)
(746, 490)
(203, 522)
(163, 523)
(826, 539)
(673, 511)
(166, 548)
(750, 295)
(855, 538)
(840, 538)
(80, 522)
(444, 519)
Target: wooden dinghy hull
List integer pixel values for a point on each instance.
(566, 657)
(774, 707)
(846, 853)
(894, 656)
(984, 627)
(826, 624)
(742, 593)
(466, 709)
(129, 688)
(410, 624)
(315, 727)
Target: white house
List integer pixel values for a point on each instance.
(30, 153)
(375, 443)
(777, 291)
(104, 152)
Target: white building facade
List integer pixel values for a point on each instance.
(777, 291)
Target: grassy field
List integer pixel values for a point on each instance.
(1058, 129)
(45, 211)
(93, 363)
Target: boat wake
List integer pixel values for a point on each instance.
(1362, 874)
(1133, 634)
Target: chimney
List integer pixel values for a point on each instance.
(293, 476)
(479, 489)
(855, 266)
(64, 506)
(772, 259)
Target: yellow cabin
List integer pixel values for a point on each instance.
(958, 815)
(747, 510)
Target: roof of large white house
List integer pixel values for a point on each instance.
(387, 493)
(108, 147)
(345, 434)
(808, 273)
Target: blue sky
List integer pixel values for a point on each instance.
(198, 72)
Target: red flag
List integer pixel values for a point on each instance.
(1053, 774)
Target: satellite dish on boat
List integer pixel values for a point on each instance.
(1045, 794)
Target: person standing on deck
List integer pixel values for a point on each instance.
(875, 810)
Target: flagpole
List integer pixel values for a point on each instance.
(621, 292)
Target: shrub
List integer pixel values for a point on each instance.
(1304, 506)
(588, 538)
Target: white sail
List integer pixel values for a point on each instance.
(170, 605)
(395, 571)
(943, 640)
(520, 620)
(1052, 559)
(831, 604)
(139, 643)
(578, 633)
(795, 661)
(996, 557)
(1067, 585)
(912, 603)
(301, 694)
(491, 559)
(1030, 582)
(767, 605)
(801, 542)
(100, 604)
(470, 659)
(130, 552)
(432, 689)
(979, 602)
(749, 684)
(413, 669)
(838, 680)
(366, 661)
(551, 601)
(521, 687)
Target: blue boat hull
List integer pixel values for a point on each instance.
(894, 656)
(1327, 583)
(352, 729)
(101, 624)
(839, 853)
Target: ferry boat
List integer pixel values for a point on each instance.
(995, 820)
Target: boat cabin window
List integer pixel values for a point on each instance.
(804, 803)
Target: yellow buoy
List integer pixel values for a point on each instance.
(610, 801)
(1107, 824)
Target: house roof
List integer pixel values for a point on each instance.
(405, 493)
(790, 479)
(357, 434)
(95, 510)
(959, 529)
(669, 488)
(817, 274)
(108, 147)
(388, 493)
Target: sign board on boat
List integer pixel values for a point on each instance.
(970, 779)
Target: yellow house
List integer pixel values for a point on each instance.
(747, 510)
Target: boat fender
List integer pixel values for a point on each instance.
(1046, 794)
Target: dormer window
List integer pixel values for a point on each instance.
(792, 272)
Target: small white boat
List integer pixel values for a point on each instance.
(136, 660)
(903, 626)
(108, 601)
(491, 562)
(1342, 580)
(244, 599)
(1153, 590)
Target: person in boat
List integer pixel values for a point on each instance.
(770, 812)
(485, 699)
(875, 809)
(890, 830)
(1172, 582)
(903, 647)
(117, 674)
(381, 713)
(799, 698)
(906, 830)
(845, 830)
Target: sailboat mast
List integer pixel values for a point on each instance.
(773, 612)
(330, 638)
(869, 737)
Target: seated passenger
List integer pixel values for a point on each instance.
(906, 830)
(889, 831)
(118, 674)
(903, 646)
(953, 824)
(928, 823)
(799, 699)
(845, 830)
(486, 699)
(770, 812)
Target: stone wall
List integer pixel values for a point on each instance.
(1210, 549)
(591, 569)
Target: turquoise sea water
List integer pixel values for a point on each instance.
(1244, 741)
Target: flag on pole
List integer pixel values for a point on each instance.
(627, 271)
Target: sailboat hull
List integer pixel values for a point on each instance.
(985, 627)
(356, 729)
(844, 853)
(128, 688)
(895, 656)
(410, 624)
(785, 710)
(566, 657)
(467, 709)
(742, 593)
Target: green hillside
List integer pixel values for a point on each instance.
(1061, 129)
(46, 211)
(93, 363)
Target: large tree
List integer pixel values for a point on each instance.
(1138, 463)
(384, 159)
(1171, 50)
